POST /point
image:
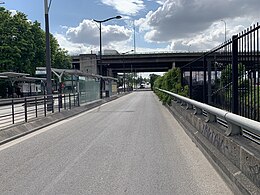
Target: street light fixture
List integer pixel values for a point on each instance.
(2, 2)
(100, 39)
(225, 29)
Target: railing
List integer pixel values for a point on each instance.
(236, 125)
(231, 75)
(22, 110)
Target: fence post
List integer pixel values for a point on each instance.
(209, 82)
(190, 87)
(234, 74)
(205, 80)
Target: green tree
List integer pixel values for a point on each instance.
(170, 81)
(22, 45)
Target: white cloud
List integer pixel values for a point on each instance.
(88, 32)
(128, 7)
(85, 37)
(178, 19)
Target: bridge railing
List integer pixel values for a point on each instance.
(231, 75)
(235, 124)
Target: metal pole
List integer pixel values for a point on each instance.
(100, 49)
(234, 74)
(134, 37)
(225, 29)
(48, 54)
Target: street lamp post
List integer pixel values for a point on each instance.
(124, 67)
(100, 39)
(225, 29)
(48, 54)
(100, 49)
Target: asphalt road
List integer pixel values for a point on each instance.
(129, 146)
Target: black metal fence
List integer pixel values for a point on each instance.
(228, 76)
(20, 110)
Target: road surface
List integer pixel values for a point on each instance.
(129, 146)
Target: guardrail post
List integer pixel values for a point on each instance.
(198, 111)
(25, 110)
(13, 111)
(211, 118)
(234, 74)
(189, 106)
(233, 129)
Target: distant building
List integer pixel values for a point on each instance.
(86, 63)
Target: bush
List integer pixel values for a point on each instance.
(170, 81)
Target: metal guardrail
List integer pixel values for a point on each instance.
(22, 110)
(237, 125)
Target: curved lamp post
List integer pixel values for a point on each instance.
(225, 29)
(100, 38)
(124, 66)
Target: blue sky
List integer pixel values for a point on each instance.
(161, 25)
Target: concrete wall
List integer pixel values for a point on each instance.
(236, 158)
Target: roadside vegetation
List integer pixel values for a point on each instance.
(170, 81)
(22, 46)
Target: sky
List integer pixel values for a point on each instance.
(154, 25)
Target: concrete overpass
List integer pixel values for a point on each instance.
(148, 62)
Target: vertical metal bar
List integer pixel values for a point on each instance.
(69, 101)
(254, 65)
(25, 110)
(52, 103)
(36, 107)
(234, 74)
(65, 104)
(74, 97)
(13, 111)
(248, 68)
(258, 75)
(59, 102)
(44, 103)
(243, 79)
(252, 72)
(209, 83)
(78, 99)
(190, 88)
(205, 80)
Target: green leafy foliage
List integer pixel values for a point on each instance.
(22, 45)
(170, 81)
